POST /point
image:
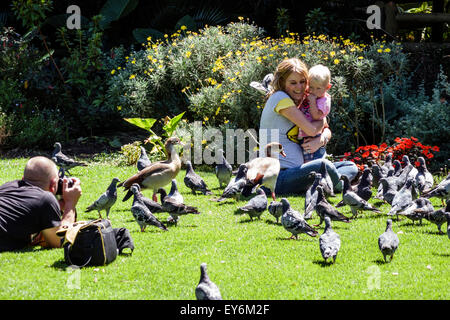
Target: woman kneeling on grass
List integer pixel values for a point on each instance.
(281, 113)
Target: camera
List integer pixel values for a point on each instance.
(60, 186)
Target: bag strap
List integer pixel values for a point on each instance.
(67, 255)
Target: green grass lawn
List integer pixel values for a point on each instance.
(246, 259)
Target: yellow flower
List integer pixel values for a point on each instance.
(183, 28)
(360, 57)
(379, 50)
(119, 108)
(206, 118)
(132, 76)
(204, 141)
(218, 110)
(188, 54)
(241, 18)
(226, 121)
(133, 62)
(336, 61)
(332, 53)
(113, 71)
(387, 50)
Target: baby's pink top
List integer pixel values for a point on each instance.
(323, 104)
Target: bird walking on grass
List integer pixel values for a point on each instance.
(194, 182)
(329, 242)
(64, 161)
(223, 170)
(141, 213)
(388, 241)
(175, 208)
(324, 208)
(206, 289)
(106, 200)
(256, 205)
(438, 217)
(355, 202)
(293, 221)
(143, 161)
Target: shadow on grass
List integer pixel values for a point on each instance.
(380, 261)
(60, 265)
(324, 264)
(444, 255)
(273, 222)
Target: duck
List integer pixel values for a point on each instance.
(223, 170)
(158, 174)
(263, 171)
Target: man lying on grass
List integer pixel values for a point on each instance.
(30, 214)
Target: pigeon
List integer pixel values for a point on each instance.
(106, 200)
(158, 174)
(326, 181)
(143, 161)
(206, 289)
(323, 208)
(364, 186)
(387, 165)
(264, 86)
(417, 209)
(424, 179)
(293, 221)
(355, 202)
(389, 189)
(438, 217)
(311, 195)
(175, 209)
(329, 242)
(388, 241)
(407, 163)
(263, 171)
(153, 206)
(141, 213)
(236, 185)
(174, 193)
(194, 182)
(397, 168)
(377, 175)
(405, 175)
(223, 170)
(402, 198)
(442, 190)
(276, 209)
(64, 161)
(256, 205)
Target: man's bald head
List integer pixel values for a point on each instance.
(40, 171)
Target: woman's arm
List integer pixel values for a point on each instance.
(298, 118)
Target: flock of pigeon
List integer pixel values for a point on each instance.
(407, 189)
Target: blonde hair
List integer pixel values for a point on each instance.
(319, 74)
(284, 69)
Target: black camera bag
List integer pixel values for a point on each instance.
(95, 243)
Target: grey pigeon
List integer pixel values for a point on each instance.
(293, 221)
(377, 175)
(256, 205)
(276, 209)
(397, 168)
(404, 176)
(329, 242)
(407, 163)
(106, 200)
(326, 181)
(417, 209)
(424, 179)
(153, 206)
(389, 189)
(364, 186)
(311, 195)
(174, 193)
(402, 198)
(64, 161)
(174, 208)
(442, 190)
(193, 181)
(206, 289)
(236, 185)
(141, 213)
(387, 165)
(323, 209)
(355, 202)
(438, 217)
(143, 161)
(223, 170)
(265, 85)
(388, 241)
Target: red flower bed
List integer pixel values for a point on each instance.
(403, 146)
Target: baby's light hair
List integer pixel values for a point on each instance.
(319, 73)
